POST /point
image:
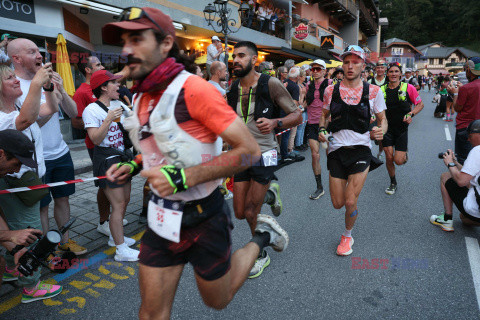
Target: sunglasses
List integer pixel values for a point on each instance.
(394, 64)
(317, 69)
(134, 13)
(353, 48)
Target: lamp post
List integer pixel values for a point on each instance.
(218, 17)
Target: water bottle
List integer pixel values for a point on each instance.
(329, 139)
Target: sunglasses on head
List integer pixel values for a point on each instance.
(135, 13)
(353, 48)
(317, 69)
(394, 64)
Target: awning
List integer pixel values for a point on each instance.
(290, 53)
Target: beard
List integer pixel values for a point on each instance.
(244, 71)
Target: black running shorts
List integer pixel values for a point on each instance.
(397, 139)
(312, 131)
(258, 173)
(348, 160)
(207, 246)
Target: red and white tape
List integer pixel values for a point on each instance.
(280, 133)
(48, 185)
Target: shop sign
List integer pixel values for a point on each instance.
(301, 32)
(18, 10)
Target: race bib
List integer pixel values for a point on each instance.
(270, 158)
(165, 217)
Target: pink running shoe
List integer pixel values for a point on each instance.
(345, 246)
(41, 291)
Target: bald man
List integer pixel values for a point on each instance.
(219, 73)
(27, 60)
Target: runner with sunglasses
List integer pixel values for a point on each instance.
(351, 104)
(177, 118)
(315, 91)
(379, 80)
(399, 98)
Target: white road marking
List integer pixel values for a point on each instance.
(473, 251)
(447, 133)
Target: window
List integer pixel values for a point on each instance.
(453, 60)
(430, 61)
(440, 61)
(397, 51)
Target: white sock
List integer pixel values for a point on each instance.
(122, 246)
(347, 233)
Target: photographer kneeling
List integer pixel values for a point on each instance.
(460, 184)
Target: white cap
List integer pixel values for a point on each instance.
(215, 38)
(320, 62)
(408, 70)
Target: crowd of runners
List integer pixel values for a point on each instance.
(183, 126)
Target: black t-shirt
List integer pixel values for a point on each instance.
(293, 89)
(123, 91)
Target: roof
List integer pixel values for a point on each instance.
(428, 45)
(445, 52)
(391, 41)
(395, 40)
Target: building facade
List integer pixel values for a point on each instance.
(436, 58)
(402, 51)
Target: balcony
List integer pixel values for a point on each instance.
(368, 20)
(455, 65)
(344, 10)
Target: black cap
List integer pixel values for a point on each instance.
(19, 145)
(474, 127)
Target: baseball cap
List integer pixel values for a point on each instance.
(408, 70)
(474, 127)
(215, 38)
(137, 19)
(7, 35)
(320, 62)
(19, 145)
(474, 65)
(353, 49)
(100, 77)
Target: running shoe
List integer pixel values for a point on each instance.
(104, 228)
(72, 246)
(260, 264)
(392, 189)
(277, 205)
(126, 254)
(345, 246)
(10, 275)
(317, 194)
(41, 291)
(446, 225)
(127, 240)
(278, 236)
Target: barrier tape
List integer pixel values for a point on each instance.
(54, 184)
(280, 133)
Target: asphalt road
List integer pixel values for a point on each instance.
(422, 272)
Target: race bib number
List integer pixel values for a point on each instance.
(270, 158)
(165, 217)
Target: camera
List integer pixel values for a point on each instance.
(440, 155)
(40, 251)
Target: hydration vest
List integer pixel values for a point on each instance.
(350, 117)
(310, 96)
(398, 105)
(264, 105)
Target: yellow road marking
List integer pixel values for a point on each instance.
(103, 270)
(104, 284)
(92, 276)
(67, 311)
(118, 277)
(92, 292)
(50, 302)
(79, 300)
(130, 270)
(80, 284)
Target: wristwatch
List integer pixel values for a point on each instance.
(49, 89)
(451, 164)
(279, 123)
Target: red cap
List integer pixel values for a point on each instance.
(112, 32)
(100, 77)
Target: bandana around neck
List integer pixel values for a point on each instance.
(160, 76)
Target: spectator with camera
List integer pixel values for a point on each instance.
(466, 102)
(15, 149)
(460, 185)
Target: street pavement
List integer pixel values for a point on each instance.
(422, 272)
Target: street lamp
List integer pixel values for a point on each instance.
(218, 15)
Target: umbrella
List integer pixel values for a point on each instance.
(303, 63)
(334, 64)
(63, 65)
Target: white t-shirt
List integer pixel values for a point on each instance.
(472, 167)
(347, 137)
(7, 121)
(217, 85)
(53, 144)
(93, 117)
(212, 51)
